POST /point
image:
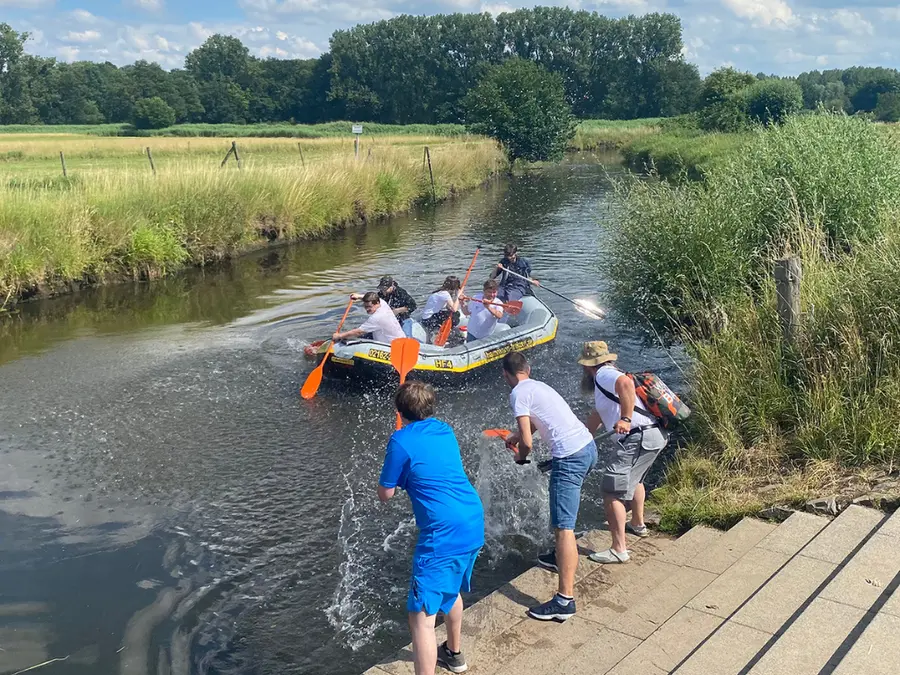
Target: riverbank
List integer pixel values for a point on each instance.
(775, 422)
(113, 218)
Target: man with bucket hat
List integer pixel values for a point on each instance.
(639, 440)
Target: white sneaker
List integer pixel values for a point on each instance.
(610, 557)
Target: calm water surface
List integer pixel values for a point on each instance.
(168, 503)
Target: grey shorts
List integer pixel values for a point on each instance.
(625, 465)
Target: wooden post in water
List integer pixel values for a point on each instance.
(62, 158)
(236, 154)
(150, 157)
(788, 274)
(300, 148)
(431, 174)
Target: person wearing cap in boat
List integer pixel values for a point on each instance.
(513, 287)
(483, 315)
(382, 324)
(639, 441)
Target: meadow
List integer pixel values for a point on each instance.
(112, 217)
(774, 423)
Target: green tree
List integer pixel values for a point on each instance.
(16, 106)
(723, 83)
(224, 70)
(524, 107)
(153, 113)
(772, 101)
(888, 107)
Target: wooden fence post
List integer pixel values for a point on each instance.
(150, 157)
(227, 155)
(431, 174)
(62, 158)
(300, 148)
(236, 155)
(356, 147)
(788, 274)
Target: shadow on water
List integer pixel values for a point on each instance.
(165, 489)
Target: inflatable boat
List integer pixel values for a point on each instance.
(535, 325)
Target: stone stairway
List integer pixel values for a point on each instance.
(807, 597)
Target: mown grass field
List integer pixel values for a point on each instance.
(113, 218)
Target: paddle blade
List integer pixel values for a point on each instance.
(502, 434)
(444, 334)
(404, 355)
(313, 380)
(513, 307)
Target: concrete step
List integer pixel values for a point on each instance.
(768, 588)
(724, 576)
(496, 630)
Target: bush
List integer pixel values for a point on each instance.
(524, 107)
(728, 115)
(888, 108)
(153, 113)
(773, 101)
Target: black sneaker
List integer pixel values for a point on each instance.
(553, 610)
(548, 561)
(455, 663)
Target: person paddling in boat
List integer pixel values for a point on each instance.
(382, 323)
(484, 315)
(441, 305)
(512, 287)
(398, 299)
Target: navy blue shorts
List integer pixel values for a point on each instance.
(437, 581)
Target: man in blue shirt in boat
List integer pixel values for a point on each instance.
(423, 458)
(513, 287)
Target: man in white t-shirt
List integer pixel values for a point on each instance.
(382, 323)
(538, 407)
(640, 440)
(484, 315)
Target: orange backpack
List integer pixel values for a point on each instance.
(656, 398)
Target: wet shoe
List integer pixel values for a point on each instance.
(553, 610)
(641, 531)
(548, 561)
(610, 557)
(455, 663)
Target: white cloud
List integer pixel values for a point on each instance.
(768, 13)
(147, 5)
(84, 16)
(822, 60)
(496, 8)
(83, 37)
(198, 31)
(852, 22)
(789, 55)
(281, 35)
(68, 53)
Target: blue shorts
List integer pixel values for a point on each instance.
(566, 478)
(437, 581)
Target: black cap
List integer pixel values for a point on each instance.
(385, 283)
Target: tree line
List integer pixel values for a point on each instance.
(416, 69)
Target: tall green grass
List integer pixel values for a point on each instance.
(696, 260)
(612, 134)
(132, 223)
(680, 154)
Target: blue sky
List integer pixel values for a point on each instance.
(774, 36)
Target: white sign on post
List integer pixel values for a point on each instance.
(357, 129)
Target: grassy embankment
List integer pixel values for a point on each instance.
(773, 423)
(112, 218)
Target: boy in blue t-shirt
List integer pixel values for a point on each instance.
(423, 459)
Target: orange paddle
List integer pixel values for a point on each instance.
(314, 379)
(503, 435)
(513, 307)
(444, 333)
(404, 356)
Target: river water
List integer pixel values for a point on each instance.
(169, 504)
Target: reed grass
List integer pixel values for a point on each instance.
(612, 134)
(106, 223)
(775, 423)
